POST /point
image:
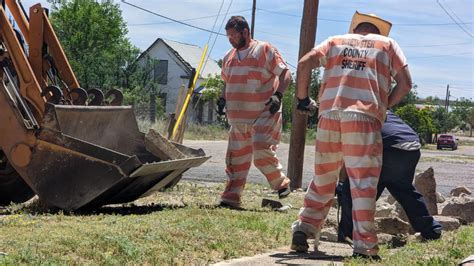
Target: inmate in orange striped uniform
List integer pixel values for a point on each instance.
(256, 77)
(353, 97)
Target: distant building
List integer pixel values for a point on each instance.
(432, 106)
(175, 61)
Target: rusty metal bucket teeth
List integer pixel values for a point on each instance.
(88, 156)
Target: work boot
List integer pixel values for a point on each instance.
(223, 204)
(364, 256)
(284, 192)
(299, 242)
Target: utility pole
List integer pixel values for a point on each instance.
(299, 123)
(446, 102)
(252, 28)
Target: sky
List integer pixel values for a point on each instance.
(437, 36)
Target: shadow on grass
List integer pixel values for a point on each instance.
(240, 209)
(286, 258)
(38, 208)
(129, 209)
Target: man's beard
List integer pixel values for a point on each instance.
(241, 43)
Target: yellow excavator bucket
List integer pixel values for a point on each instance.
(70, 154)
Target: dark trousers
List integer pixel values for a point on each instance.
(398, 170)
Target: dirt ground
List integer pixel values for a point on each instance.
(451, 168)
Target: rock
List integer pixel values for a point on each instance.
(425, 183)
(393, 241)
(391, 199)
(273, 204)
(440, 198)
(331, 219)
(448, 223)
(384, 238)
(391, 225)
(384, 209)
(329, 234)
(400, 212)
(460, 206)
(457, 191)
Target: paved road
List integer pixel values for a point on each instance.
(451, 168)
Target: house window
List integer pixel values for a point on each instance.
(161, 72)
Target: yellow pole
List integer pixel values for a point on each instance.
(189, 93)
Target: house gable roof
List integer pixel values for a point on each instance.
(188, 54)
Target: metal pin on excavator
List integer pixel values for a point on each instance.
(73, 148)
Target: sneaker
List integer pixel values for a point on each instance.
(364, 256)
(284, 192)
(299, 242)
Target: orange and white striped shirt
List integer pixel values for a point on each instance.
(250, 82)
(358, 73)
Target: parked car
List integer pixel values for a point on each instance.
(447, 141)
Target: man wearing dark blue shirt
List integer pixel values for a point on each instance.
(401, 153)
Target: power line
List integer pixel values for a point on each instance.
(291, 65)
(419, 57)
(277, 35)
(455, 21)
(298, 16)
(191, 19)
(459, 19)
(435, 45)
(348, 21)
(172, 19)
(220, 27)
(463, 89)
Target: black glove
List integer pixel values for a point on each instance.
(275, 102)
(220, 106)
(307, 106)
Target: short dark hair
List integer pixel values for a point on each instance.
(238, 23)
(367, 27)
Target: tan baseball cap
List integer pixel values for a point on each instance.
(381, 24)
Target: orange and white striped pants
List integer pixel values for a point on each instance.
(355, 139)
(258, 140)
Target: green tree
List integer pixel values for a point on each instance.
(287, 102)
(443, 121)
(461, 109)
(138, 81)
(214, 85)
(470, 119)
(419, 119)
(93, 35)
(410, 98)
(430, 100)
(289, 99)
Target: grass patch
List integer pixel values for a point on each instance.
(181, 226)
(185, 228)
(451, 249)
(449, 159)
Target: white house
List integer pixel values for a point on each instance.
(173, 70)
